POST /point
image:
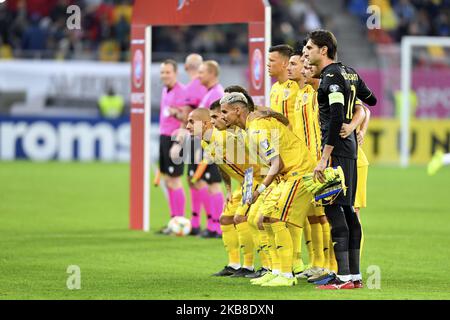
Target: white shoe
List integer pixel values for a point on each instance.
(317, 273)
(310, 272)
(305, 274)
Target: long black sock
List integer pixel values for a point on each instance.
(339, 236)
(355, 235)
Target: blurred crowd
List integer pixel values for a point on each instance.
(405, 17)
(37, 28)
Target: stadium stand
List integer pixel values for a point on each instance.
(36, 28)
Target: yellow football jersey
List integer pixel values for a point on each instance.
(282, 98)
(229, 150)
(306, 125)
(268, 138)
(223, 150)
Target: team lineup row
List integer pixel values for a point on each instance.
(315, 124)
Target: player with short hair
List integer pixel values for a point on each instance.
(195, 91)
(306, 127)
(339, 87)
(252, 214)
(225, 147)
(172, 100)
(282, 99)
(284, 90)
(286, 201)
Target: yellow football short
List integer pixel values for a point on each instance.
(289, 201)
(316, 211)
(232, 206)
(254, 213)
(361, 187)
(267, 200)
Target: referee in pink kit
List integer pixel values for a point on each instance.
(173, 99)
(195, 92)
(208, 74)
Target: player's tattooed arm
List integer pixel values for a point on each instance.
(276, 166)
(227, 181)
(272, 114)
(261, 108)
(323, 163)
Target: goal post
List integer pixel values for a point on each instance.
(149, 13)
(407, 44)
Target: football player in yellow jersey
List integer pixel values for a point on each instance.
(287, 202)
(219, 147)
(284, 91)
(260, 237)
(306, 126)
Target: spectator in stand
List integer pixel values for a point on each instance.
(35, 36)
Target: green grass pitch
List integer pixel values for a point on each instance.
(53, 215)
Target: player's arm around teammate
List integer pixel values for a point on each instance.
(281, 206)
(307, 128)
(339, 87)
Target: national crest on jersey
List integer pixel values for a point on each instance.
(282, 98)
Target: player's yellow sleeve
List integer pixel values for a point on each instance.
(267, 141)
(224, 151)
(272, 139)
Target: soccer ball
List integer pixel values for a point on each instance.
(180, 226)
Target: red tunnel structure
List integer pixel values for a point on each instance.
(149, 13)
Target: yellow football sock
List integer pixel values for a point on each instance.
(260, 242)
(326, 244)
(246, 243)
(296, 235)
(231, 243)
(333, 262)
(308, 241)
(283, 241)
(317, 242)
(264, 254)
(273, 254)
